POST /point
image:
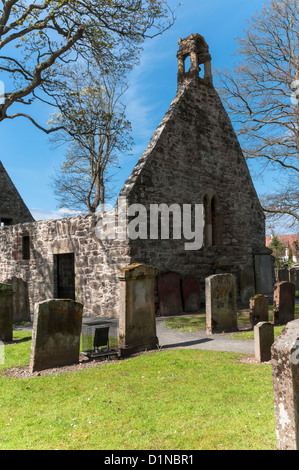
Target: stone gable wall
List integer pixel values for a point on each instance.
(193, 151)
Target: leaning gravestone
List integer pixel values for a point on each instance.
(191, 294)
(221, 303)
(56, 334)
(137, 320)
(169, 292)
(285, 371)
(6, 312)
(283, 302)
(258, 309)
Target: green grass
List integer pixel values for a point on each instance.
(167, 400)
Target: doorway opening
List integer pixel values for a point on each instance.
(64, 276)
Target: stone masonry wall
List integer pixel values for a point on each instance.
(97, 263)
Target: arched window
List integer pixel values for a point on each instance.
(207, 231)
(212, 219)
(25, 246)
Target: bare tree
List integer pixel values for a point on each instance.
(37, 38)
(96, 131)
(261, 97)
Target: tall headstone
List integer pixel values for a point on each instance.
(56, 334)
(264, 271)
(169, 292)
(6, 312)
(247, 284)
(221, 303)
(283, 302)
(137, 320)
(191, 294)
(258, 309)
(285, 370)
(263, 340)
(281, 274)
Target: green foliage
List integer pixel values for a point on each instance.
(278, 251)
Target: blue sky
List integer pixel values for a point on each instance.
(26, 151)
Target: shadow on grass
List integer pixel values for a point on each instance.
(186, 343)
(18, 340)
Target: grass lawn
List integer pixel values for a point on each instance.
(194, 322)
(167, 400)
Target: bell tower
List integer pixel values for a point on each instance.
(195, 47)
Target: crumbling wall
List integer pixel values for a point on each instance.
(97, 262)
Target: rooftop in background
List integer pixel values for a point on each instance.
(287, 240)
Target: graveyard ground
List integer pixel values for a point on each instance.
(193, 323)
(163, 400)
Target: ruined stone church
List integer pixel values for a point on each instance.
(194, 157)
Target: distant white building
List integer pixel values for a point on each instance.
(288, 241)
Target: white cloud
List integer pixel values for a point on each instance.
(45, 214)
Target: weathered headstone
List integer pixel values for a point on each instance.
(264, 271)
(247, 284)
(191, 294)
(6, 312)
(221, 303)
(56, 334)
(263, 340)
(283, 302)
(285, 370)
(258, 309)
(292, 275)
(137, 320)
(281, 274)
(21, 307)
(169, 292)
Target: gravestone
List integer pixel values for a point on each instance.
(292, 275)
(169, 292)
(263, 340)
(285, 372)
(283, 302)
(221, 303)
(264, 271)
(247, 284)
(6, 312)
(191, 294)
(137, 320)
(56, 334)
(258, 309)
(21, 307)
(281, 274)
